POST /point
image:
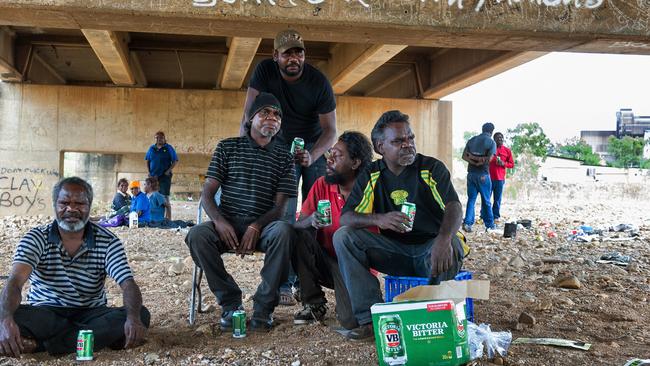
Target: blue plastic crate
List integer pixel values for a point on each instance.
(395, 285)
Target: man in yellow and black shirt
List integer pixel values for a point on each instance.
(432, 249)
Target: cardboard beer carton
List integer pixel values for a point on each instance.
(421, 329)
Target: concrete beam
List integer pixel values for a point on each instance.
(459, 69)
(603, 26)
(112, 51)
(351, 63)
(50, 70)
(8, 71)
(240, 55)
(388, 82)
(138, 73)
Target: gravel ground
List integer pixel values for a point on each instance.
(609, 309)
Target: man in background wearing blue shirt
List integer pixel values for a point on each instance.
(478, 152)
(140, 203)
(161, 159)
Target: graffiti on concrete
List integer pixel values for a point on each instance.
(588, 4)
(22, 189)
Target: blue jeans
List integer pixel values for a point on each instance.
(497, 192)
(479, 183)
(358, 250)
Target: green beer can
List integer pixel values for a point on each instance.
(85, 344)
(297, 144)
(392, 340)
(324, 208)
(239, 324)
(409, 209)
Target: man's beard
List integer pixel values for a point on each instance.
(334, 178)
(72, 227)
(268, 132)
(407, 158)
(292, 73)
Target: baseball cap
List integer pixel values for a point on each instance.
(288, 39)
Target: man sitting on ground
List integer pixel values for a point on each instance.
(431, 249)
(256, 176)
(140, 203)
(67, 262)
(157, 202)
(314, 258)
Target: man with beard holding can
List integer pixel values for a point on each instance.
(314, 258)
(67, 262)
(428, 246)
(309, 112)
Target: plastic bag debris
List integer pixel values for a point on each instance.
(480, 337)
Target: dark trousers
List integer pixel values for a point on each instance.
(276, 241)
(497, 192)
(317, 268)
(358, 250)
(55, 328)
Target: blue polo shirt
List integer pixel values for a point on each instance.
(157, 205)
(141, 203)
(160, 159)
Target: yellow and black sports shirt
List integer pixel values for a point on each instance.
(426, 183)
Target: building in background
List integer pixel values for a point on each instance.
(627, 124)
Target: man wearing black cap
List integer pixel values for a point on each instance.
(478, 152)
(309, 108)
(256, 176)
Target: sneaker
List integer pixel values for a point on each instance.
(226, 318)
(286, 298)
(467, 228)
(493, 231)
(261, 324)
(363, 332)
(310, 313)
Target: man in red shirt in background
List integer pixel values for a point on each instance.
(314, 258)
(501, 161)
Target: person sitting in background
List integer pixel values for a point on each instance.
(157, 202)
(121, 200)
(140, 203)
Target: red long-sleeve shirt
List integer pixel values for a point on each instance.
(498, 172)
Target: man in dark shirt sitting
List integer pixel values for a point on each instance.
(255, 174)
(431, 249)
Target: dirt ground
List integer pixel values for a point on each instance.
(609, 310)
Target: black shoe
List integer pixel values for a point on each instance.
(363, 332)
(226, 318)
(310, 313)
(261, 324)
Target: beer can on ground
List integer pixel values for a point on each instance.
(325, 209)
(239, 324)
(409, 209)
(392, 340)
(85, 344)
(297, 144)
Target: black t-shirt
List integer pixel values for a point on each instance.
(302, 101)
(426, 183)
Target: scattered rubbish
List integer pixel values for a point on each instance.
(510, 230)
(482, 337)
(637, 362)
(624, 228)
(587, 229)
(551, 234)
(525, 223)
(614, 258)
(554, 342)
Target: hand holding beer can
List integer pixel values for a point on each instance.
(324, 208)
(297, 145)
(409, 209)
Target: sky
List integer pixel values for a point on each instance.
(563, 92)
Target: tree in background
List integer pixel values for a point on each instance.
(627, 152)
(528, 138)
(578, 149)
